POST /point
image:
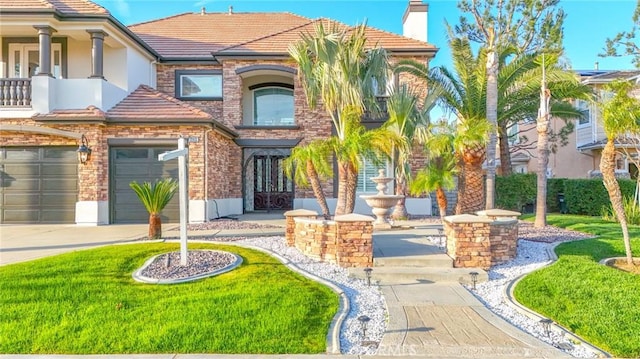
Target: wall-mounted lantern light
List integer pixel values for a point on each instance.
(84, 152)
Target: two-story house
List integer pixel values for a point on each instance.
(580, 157)
(74, 78)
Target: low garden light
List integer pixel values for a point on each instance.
(364, 320)
(84, 152)
(367, 273)
(546, 325)
(474, 279)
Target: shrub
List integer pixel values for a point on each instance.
(554, 187)
(631, 210)
(516, 190)
(589, 196)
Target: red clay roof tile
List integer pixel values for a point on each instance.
(67, 7)
(148, 104)
(89, 113)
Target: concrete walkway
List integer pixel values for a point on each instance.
(429, 316)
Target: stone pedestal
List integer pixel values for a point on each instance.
(290, 229)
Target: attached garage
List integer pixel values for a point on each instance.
(139, 164)
(38, 184)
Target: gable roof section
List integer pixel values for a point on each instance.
(146, 104)
(90, 113)
(63, 7)
(201, 36)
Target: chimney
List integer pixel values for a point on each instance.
(596, 66)
(230, 9)
(203, 11)
(414, 21)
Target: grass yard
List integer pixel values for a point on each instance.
(86, 302)
(599, 303)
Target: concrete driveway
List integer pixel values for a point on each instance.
(19, 243)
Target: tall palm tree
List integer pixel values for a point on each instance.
(308, 166)
(154, 198)
(337, 69)
(464, 94)
(620, 116)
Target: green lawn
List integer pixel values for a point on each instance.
(599, 303)
(86, 302)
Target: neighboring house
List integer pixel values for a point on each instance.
(580, 158)
(71, 74)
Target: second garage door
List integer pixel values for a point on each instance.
(139, 164)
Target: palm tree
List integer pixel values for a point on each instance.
(620, 116)
(464, 94)
(337, 69)
(155, 197)
(308, 166)
(404, 120)
(439, 174)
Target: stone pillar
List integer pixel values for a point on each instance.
(504, 240)
(44, 38)
(290, 229)
(499, 213)
(468, 240)
(354, 240)
(97, 56)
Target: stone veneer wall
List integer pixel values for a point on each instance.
(290, 229)
(480, 241)
(346, 241)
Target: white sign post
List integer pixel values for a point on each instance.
(181, 154)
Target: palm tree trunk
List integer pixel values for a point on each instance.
(542, 127)
(318, 192)
(155, 226)
(441, 198)
(400, 209)
(492, 117)
(607, 168)
(471, 182)
(505, 155)
(341, 205)
(350, 190)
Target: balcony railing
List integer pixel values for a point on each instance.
(15, 92)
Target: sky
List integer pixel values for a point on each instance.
(588, 23)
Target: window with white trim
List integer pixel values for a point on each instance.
(585, 108)
(369, 169)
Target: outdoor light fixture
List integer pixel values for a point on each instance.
(367, 272)
(546, 325)
(84, 152)
(364, 320)
(474, 279)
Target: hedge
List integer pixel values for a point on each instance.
(582, 196)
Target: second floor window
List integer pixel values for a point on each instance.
(273, 106)
(198, 85)
(585, 108)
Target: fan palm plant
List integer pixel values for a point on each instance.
(340, 72)
(155, 198)
(308, 166)
(620, 116)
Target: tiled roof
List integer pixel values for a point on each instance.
(148, 104)
(89, 113)
(199, 35)
(65, 7)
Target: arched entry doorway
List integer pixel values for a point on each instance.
(265, 185)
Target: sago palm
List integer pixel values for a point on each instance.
(620, 116)
(154, 198)
(338, 70)
(308, 165)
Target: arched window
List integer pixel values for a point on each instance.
(273, 106)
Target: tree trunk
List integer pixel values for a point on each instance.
(400, 209)
(441, 198)
(471, 193)
(155, 226)
(350, 191)
(341, 204)
(318, 192)
(505, 155)
(542, 127)
(607, 168)
(492, 117)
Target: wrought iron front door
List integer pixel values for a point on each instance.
(272, 189)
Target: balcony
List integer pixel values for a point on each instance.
(15, 93)
(377, 116)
